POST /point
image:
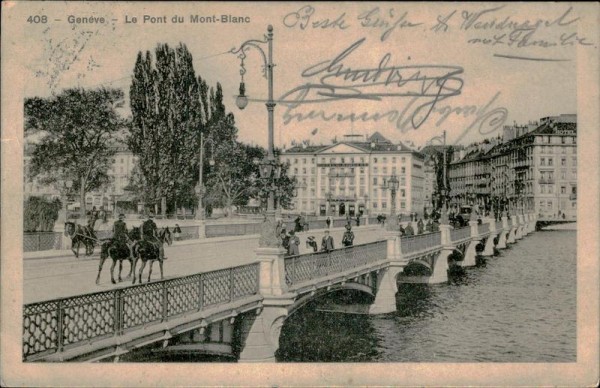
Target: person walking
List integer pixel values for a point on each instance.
(328, 222)
(177, 232)
(348, 238)
(357, 221)
(311, 243)
(409, 231)
(293, 244)
(420, 226)
(327, 244)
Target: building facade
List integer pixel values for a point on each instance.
(531, 168)
(350, 177)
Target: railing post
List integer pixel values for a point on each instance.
(119, 312)
(200, 292)
(272, 271)
(164, 301)
(59, 327)
(231, 285)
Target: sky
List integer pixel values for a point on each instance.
(410, 71)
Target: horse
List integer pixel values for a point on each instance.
(79, 235)
(148, 251)
(118, 252)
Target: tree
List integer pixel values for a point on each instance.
(165, 99)
(233, 177)
(39, 214)
(76, 130)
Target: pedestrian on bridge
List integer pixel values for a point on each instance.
(328, 222)
(420, 226)
(293, 244)
(357, 221)
(409, 231)
(348, 239)
(327, 244)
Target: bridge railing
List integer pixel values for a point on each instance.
(218, 230)
(420, 242)
(498, 225)
(54, 325)
(460, 233)
(41, 241)
(302, 268)
(483, 228)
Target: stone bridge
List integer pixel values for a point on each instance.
(240, 311)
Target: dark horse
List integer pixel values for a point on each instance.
(79, 235)
(118, 252)
(147, 251)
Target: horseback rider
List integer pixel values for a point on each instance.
(92, 217)
(150, 234)
(120, 235)
(348, 238)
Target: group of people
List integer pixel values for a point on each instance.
(148, 232)
(291, 243)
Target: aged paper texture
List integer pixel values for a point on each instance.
(345, 78)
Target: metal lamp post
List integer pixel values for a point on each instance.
(200, 188)
(392, 184)
(269, 165)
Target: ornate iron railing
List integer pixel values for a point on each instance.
(41, 241)
(483, 228)
(54, 325)
(302, 268)
(420, 242)
(460, 233)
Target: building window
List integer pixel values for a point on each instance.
(374, 205)
(402, 193)
(385, 170)
(374, 160)
(542, 161)
(563, 189)
(394, 159)
(375, 180)
(403, 170)
(562, 139)
(295, 170)
(343, 161)
(384, 205)
(303, 160)
(563, 175)
(543, 189)
(574, 161)
(384, 160)
(304, 171)
(402, 205)
(375, 170)
(403, 159)
(402, 181)
(362, 159)
(550, 161)
(295, 160)
(563, 161)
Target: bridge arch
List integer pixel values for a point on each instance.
(303, 300)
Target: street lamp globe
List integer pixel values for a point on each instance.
(242, 101)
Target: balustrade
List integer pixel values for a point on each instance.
(460, 233)
(420, 242)
(54, 325)
(498, 225)
(302, 268)
(483, 228)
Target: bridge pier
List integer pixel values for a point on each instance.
(387, 288)
(471, 251)
(519, 230)
(259, 334)
(511, 234)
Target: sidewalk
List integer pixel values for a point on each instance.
(49, 254)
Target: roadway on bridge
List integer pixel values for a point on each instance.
(65, 276)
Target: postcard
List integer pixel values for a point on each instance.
(299, 194)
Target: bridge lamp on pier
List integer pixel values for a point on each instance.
(269, 168)
(392, 184)
(200, 188)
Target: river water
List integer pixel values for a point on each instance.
(518, 306)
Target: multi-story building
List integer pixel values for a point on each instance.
(533, 168)
(120, 173)
(349, 177)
